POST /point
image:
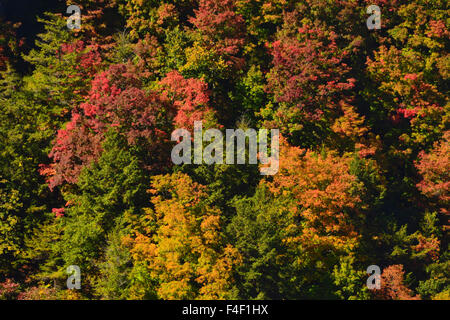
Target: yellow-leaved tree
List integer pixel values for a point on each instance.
(180, 253)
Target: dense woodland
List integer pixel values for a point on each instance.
(86, 177)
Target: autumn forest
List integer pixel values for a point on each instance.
(93, 207)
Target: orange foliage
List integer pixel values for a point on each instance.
(392, 286)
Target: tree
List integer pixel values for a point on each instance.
(182, 247)
(156, 17)
(108, 194)
(434, 168)
(392, 286)
(215, 54)
(325, 212)
(115, 100)
(190, 98)
(309, 80)
(63, 67)
(219, 30)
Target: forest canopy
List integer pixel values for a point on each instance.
(86, 177)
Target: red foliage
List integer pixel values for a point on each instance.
(438, 29)
(38, 293)
(96, 23)
(412, 95)
(434, 168)
(115, 101)
(59, 212)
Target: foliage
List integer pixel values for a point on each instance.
(86, 118)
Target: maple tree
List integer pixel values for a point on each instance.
(308, 93)
(393, 287)
(181, 248)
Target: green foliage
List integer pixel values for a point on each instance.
(257, 232)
